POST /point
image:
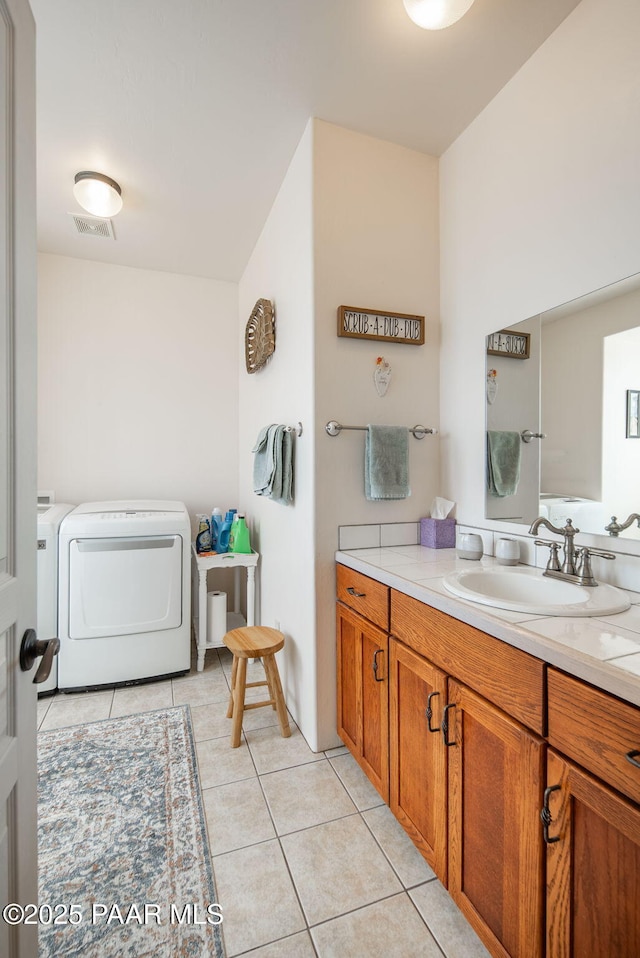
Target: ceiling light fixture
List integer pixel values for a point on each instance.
(436, 14)
(97, 193)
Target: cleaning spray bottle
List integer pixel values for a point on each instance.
(203, 536)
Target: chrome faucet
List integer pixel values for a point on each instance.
(568, 566)
(615, 528)
(576, 565)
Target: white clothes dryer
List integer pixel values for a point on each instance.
(124, 598)
(50, 515)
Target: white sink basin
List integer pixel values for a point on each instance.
(524, 589)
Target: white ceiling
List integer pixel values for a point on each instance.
(195, 107)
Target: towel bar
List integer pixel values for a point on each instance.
(526, 435)
(297, 429)
(334, 428)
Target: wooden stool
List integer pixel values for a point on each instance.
(254, 642)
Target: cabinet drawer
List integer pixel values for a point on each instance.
(366, 596)
(511, 679)
(596, 730)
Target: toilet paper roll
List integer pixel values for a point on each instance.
(216, 617)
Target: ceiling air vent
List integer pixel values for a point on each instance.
(93, 225)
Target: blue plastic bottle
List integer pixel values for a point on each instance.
(223, 538)
(216, 526)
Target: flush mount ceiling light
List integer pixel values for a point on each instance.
(436, 14)
(97, 193)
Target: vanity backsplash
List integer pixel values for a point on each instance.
(623, 572)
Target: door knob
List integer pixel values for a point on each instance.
(31, 648)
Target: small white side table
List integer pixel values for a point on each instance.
(226, 560)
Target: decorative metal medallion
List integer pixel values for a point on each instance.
(260, 336)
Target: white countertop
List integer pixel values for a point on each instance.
(603, 651)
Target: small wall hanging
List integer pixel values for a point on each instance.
(359, 323)
(259, 335)
(507, 343)
(492, 385)
(382, 375)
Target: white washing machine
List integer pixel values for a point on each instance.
(124, 597)
(50, 515)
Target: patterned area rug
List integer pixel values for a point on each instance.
(124, 861)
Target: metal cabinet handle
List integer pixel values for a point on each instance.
(429, 712)
(31, 648)
(631, 757)
(375, 665)
(445, 726)
(545, 815)
(358, 595)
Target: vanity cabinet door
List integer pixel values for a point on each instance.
(495, 772)
(596, 730)
(418, 763)
(363, 695)
(593, 867)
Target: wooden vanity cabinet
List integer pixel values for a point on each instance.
(481, 772)
(450, 727)
(593, 850)
(418, 761)
(595, 730)
(363, 676)
(495, 779)
(593, 867)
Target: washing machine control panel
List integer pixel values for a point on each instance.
(136, 513)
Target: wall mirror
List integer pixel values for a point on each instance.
(573, 388)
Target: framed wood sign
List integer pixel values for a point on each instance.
(506, 342)
(358, 323)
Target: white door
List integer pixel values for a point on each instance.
(18, 840)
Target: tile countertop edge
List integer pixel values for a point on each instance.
(521, 635)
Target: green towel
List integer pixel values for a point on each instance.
(503, 462)
(386, 462)
(264, 460)
(273, 464)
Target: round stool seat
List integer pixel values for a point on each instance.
(253, 641)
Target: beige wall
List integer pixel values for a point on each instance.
(281, 269)
(539, 204)
(137, 384)
(376, 246)
(355, 223)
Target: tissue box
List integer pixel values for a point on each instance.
(438, 533)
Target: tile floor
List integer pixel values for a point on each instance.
(308, 860)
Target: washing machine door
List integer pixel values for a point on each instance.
(127, 585)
